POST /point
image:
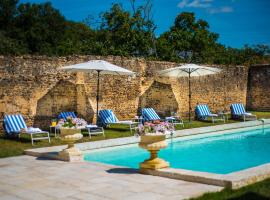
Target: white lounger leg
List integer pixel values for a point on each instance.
(89, 132)
(32, 139)
(49, 138)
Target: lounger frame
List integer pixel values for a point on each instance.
(15, 124)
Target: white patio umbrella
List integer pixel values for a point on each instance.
(99, 67)
(189, 70)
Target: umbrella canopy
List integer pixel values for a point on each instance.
(189, 70)
(98, 66)
(192, 69)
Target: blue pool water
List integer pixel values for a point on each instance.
(220, 154)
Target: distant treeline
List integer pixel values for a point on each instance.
(41, 29)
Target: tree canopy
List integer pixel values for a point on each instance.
(41, 29)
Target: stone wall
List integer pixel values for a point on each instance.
(258, 97)
(37, 88)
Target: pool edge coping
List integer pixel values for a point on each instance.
(233, 180)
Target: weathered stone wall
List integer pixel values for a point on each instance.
(37, 88)
(258, 97)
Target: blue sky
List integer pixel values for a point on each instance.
(237, 22)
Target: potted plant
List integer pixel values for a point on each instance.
(70, 132)
(153, 138)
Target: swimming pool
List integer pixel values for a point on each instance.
(221, 154)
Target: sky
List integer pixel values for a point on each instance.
(238, 22)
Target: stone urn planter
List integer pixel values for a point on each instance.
(70, 136)
(153, 143)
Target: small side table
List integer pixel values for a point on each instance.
(175, 120)
(225, 115)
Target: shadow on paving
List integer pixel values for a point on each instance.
(250, 196)
(123, 171)
(48, 158)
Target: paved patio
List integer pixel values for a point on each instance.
(27, 177)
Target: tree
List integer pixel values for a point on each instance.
(40, 26)
(125, 34)
(76, 39)
(185, 36)
(8, 11)
(41, 29)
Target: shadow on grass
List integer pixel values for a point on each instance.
(123, 171)
(124, 129)
(16, 138)
(250, 196)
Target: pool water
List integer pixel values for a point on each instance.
(220, 154)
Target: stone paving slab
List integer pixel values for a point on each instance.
(27, 177)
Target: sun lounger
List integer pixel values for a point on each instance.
(149, 114)
(203, 113)
(238, 112)
(15, 124)
(65, 115)
(107, 117)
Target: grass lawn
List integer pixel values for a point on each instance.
(15, 147)
(257, 191)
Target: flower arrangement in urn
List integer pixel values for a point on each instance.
(153, 138)
(70, 132)
(72, 123)
(156, 127)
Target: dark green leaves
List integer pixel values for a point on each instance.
(41, 29)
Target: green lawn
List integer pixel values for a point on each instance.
(15, 147)
(257, 191)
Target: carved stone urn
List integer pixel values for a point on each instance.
(71, 153)
(153, 143)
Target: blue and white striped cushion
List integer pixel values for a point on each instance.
(65, 115)
(238, 109)
(14, 123)
(149, 114)
(202, 111)
(107, 116)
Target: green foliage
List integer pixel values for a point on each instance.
(125, 34)
(41, 29)
(188, 40)
(7, 13)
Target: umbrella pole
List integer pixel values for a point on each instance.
(189, 96)
(97, 97)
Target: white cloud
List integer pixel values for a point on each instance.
(205, 4)
(182, 4)
(195, 3)
(224, 9)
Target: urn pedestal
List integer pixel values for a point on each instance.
(153, 143)
(71, 153)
